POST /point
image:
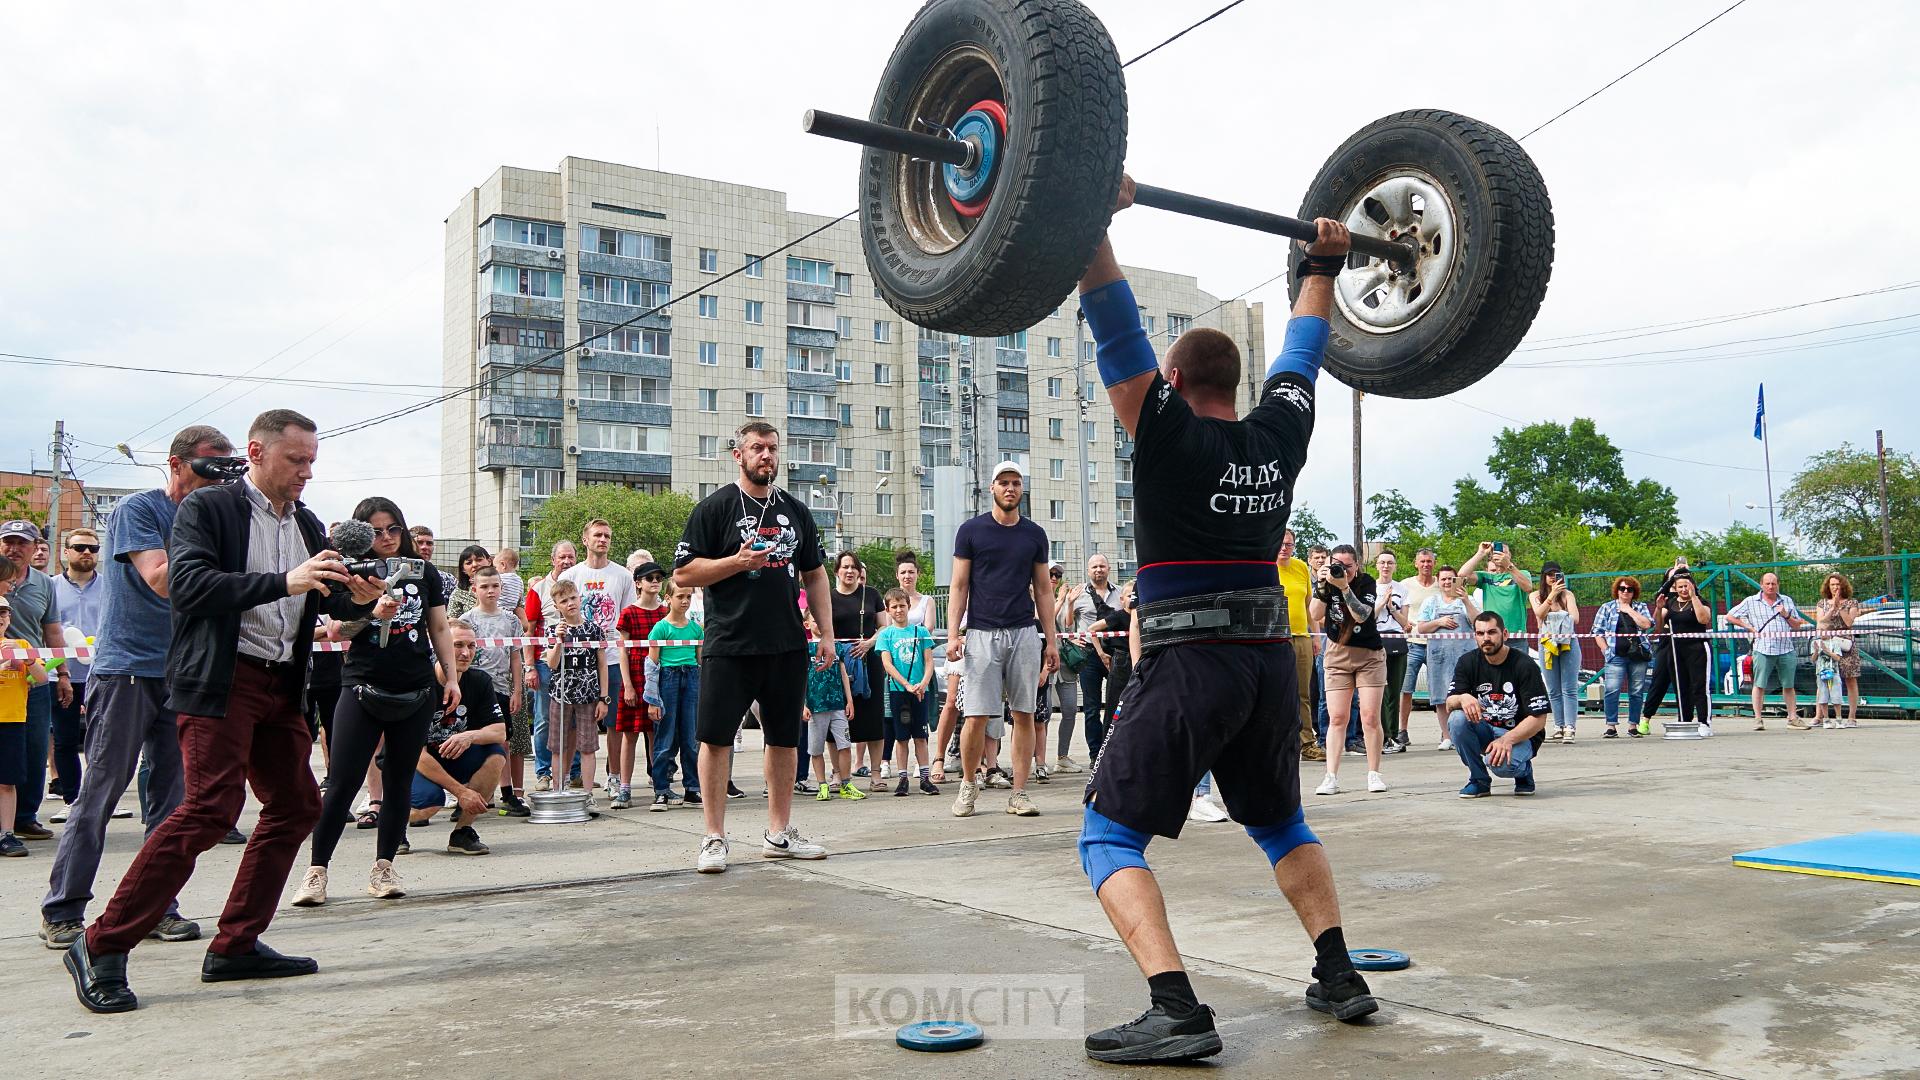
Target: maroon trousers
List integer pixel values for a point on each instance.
(263, 740)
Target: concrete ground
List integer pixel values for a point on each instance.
(1598, 930)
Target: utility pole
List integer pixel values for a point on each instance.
(1359, 515)
(1886, 524)
(967, 395)
(1080, 395)
(52, 531)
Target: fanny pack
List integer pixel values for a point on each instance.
(1241, 615)
(387, 705)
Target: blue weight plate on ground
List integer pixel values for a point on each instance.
(938, 1036)
(1378, 959)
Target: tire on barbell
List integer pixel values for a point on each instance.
(1055, 69)
(1500, 264)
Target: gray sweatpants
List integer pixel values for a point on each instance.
(125, 714)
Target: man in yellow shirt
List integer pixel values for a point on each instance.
(16, 676)
(1297, 578)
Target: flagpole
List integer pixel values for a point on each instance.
(1766, 449)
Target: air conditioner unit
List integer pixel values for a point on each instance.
(945, 390)
(555, 253)
(919, 470)
(572, 450)
(573, 403)
(586, 352)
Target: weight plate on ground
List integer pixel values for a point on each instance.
(939, 1036)
(1008, 268)
(1378, 959)
(1479, 212)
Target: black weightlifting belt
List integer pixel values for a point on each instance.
(1241, 615)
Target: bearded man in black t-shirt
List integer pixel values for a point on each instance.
(1497, 710)
(1215, 686)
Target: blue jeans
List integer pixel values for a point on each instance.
(1416, 659)
(1563, 688)
(675, 733)
(1205, 786)
(39, 734)
(1320, 697)
(1623, 674)
(1093, 683)
(1471, 739)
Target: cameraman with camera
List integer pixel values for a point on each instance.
(1344, 603)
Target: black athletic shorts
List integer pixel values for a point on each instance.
(1229, 708)
(730, 684)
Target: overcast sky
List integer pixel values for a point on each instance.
(261, 187)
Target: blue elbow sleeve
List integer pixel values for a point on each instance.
(1306, 342)
(1106, 846)
(1120, 347)
(1280, 840)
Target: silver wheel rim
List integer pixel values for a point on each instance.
(1371, 292)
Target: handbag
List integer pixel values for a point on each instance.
(1074, 656)
(389, 706)
(1629, 645)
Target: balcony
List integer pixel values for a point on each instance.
(491, 456)
(1124, 532)
(626, 412)
(1015, 440)
(935, 350)
(593, 262)
(1013, 399)
(619, 363)
(824, 517)
(525, 307)
(615, 314)
(809, 293)
(504, 405)
(818, 427)
(1123, 489)
(506, 356)
(622, 463)
(809, 472)
(1010, 359)
(819, 382)
(812, 337)
(533, 258)
(1123, 451)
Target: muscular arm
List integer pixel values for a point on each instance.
(1121, 350)
(819, 599)
(700, 573)
(1526, 729)
(957, 592)
(151, 565)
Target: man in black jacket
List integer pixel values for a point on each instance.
(249, 571)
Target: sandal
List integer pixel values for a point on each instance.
(370, 817)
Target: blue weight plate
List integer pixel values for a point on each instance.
(939, 1036)
(1378, 959)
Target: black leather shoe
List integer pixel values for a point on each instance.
(1344, 996)
(100, 982)
(261, 963)
(1157, 1036)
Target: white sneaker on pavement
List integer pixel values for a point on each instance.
(963, 803)
(713, 855)
(789, 844)
(1376, 782)
(1328, 786)
(1067, 765)
(1445, 744)
(1204, 810)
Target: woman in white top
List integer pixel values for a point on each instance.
(1447, 621)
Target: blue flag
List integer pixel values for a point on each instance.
(1760, 413)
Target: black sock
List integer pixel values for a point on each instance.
(1330, 954)
(1173, 991)
(506, 792)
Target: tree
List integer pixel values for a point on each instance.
(1392, 516)
(877, 557)
(1549, 472)
(14, 503)
(639, 520)
(1835, 500)
(1308, 530)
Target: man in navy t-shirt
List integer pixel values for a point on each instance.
(999, 584)
(127, 692)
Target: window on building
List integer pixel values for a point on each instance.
(710, 353)
(1178, 324)
(1149, 325)
(539, 483)
(756, 311)
(883, 503)
(643, 389)
(1093, 512)
(883, 374)
(520, 281)
(1053, 387)
(846, 457)
(756, 358)
(1054, 426)
(529, 536)
(1056, 468)
(808, 450)
(842, 369)
(1123, 508)
(1013, 422)
(1057, 509)
(1123, 471)
(883, 461)
(755, 267)
(709, 446)
(708, 489)
(846, 415)
(623, 438)
(1053, 346)
(1012, 341)
(709, 307)
(529, 233)
(710, 401)
(882, 330)
(1093, 471)
(1086, 350)
(809, 271)
(709, 260)
(801, 403)
(813, 361)
(934, 455)
(1057, 550)
(632, 245)
(843, 325)
(522, 431)
(605, 289)
(629, 339)
(843, 284)
(883, 417)
(526, 333)
(1126, 552)
(523, 383)
(811, 316)
(1089, 431)
(756, 403)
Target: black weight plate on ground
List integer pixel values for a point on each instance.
(1502, 252)
(1053, 66)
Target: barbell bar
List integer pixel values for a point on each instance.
(966, 155)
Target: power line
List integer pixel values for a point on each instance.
(1630, 71)
(1605, 337)
(1587, 361)
(1183, 33)
(345, 385)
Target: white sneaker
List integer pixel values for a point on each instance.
(313, 889)
(1376, 782)
(1706, 731)
(788, 844)
(59, 817)
(383, 883)
(1204, 810)
(963, 804)
(886, 770)
(1067, 765)
(1329, 786)
(713, 855)
(1019, 805)
(1219, 804)
(1445, 744)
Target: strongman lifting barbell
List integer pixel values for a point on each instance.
(995, 146)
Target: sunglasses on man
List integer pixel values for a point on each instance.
(89, 549)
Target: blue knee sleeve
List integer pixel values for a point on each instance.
(1278, 840)
(1107, 846)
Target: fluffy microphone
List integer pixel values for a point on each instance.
(352, 538)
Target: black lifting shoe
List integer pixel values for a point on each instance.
(1157, 1035)
(1345, 996)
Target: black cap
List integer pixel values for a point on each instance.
(646, 568)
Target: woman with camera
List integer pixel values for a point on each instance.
(1559, 617)
(1835, 615)
(389, 689)
(1625, 652)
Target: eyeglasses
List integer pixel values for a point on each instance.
(391, 530)
(1055, 576)
(90, 549)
